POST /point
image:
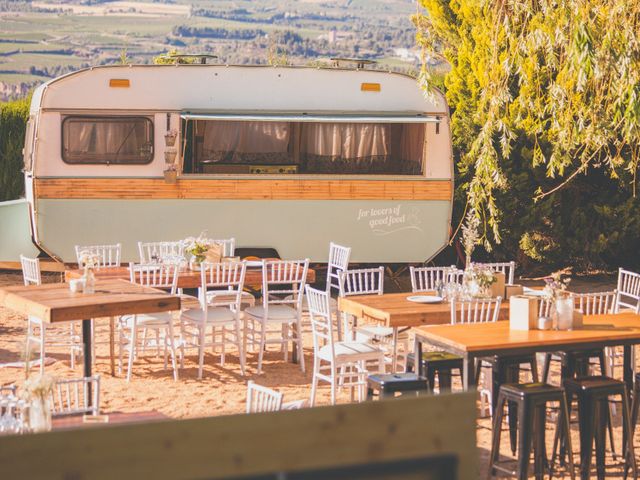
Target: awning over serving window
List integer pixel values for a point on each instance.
(256, 117)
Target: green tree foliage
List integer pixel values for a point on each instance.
(13, 121)
(545, 97)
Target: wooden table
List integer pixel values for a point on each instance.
(472, 341)
(54, 302)
(186, 278)
(395, 311)
(114, 418)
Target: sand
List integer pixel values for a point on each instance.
(222, 390)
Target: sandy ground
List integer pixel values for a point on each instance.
(222, 391)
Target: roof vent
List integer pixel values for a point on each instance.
(359, 62)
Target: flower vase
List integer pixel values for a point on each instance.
(563, 313)
(39, 414)
(195, 264)
(89, 281)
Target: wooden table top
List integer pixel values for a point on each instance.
(114, 418)
(494, 337)
(186, 278)
(396, 311)
(54, 302)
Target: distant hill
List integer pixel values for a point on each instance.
(44, 39)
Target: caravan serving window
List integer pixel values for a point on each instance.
(255, 146)
(108, 140)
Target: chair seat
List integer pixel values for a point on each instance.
(352, 351)
(276, 312)
(375, 331)
(188, 302)
(224, 296)
(214, 315)
(147, 319)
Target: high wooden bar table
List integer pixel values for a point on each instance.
(472, 341)
(186, 278)
(54, 302)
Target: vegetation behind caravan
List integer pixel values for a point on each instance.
(13, 121)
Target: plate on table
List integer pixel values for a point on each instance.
(425, 299)
(253, 263)
(533, 292)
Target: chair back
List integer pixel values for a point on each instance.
(628, 290)
(262, 399)
(596, 303)
(363, 281)
(508, 268)
(70, 396)
(227, 276)
(228, 246)
(155, 275)
(283, 283)
(156, 252)
(476, 310)
(338, 263)
(8, 390)
(424, 279)
(30, 270)
(105, 255)
(320, 317)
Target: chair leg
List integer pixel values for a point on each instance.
(524, 443)
(132, 349)
(262, 344)
(586, 414)
(299, 342)
(172, 347)
(202, 338)
(42, 349)
(241, 351)
(497, 428)
(314, 381)
(539, 448)
(534, 369)
(333, 384)
(602, 407)
(545, 368)
(629, 454)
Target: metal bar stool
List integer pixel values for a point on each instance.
(593, 412)
(438, 363)
(530, 400)
(387, 386)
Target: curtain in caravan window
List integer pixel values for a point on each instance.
(244, 142)
(107, 140)
(363, 148)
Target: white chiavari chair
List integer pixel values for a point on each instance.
(106, 256)
(158, 252)
(339, 363)
(508, 268)
(216, 312)
(628, 291)
(262, 399)
(163, 276)
(70, 396)
(228, 250)
(282, 293)
(424, 279)
(42, 334)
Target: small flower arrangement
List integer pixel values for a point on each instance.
(478, 280)
(170, 137)
(197, 247)
(36, 391)
(89, 260)
(556, 286)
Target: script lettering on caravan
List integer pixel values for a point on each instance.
(387, 220)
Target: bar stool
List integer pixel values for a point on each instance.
(531, 401)
(387, 385)
(437, 363)
(593, 412)
(635, 403)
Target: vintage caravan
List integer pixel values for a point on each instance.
(282, 157)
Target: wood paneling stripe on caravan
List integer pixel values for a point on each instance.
(101, 188)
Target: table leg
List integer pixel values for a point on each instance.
(394, 359)
(112, 348)
(628, 368)
(86, 340)
(294, 346)
(417, 355)
(468, 374)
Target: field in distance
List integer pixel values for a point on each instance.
(44, 39)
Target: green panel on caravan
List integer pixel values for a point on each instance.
(283, 157)
(15, 233)
(397, 232)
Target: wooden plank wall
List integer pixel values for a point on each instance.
(250, 445)
(281, 189)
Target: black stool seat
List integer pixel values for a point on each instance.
(387, 385)
(530, 402)
(592, 393)
(437, 363)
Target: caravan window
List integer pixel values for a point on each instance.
(236, 146)
(117, 140)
